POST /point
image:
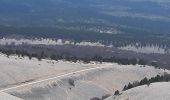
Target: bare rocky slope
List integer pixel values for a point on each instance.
(37, 80)
(5, 96)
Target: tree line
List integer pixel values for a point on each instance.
(146, 81)
(42, 55)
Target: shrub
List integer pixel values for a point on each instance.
(95, 98)
(125, 88)
(71, 82)
(105, 96)
(117, 92)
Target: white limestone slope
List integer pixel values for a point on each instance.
(106, 78)
(5, 96)
(14, 70)
(156, 91)
(88, 84)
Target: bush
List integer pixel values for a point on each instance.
(95, 98)
(125, 88)
(105, 96)
(117, 92)
(144, 81)
(130, 86)
(71, 82)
